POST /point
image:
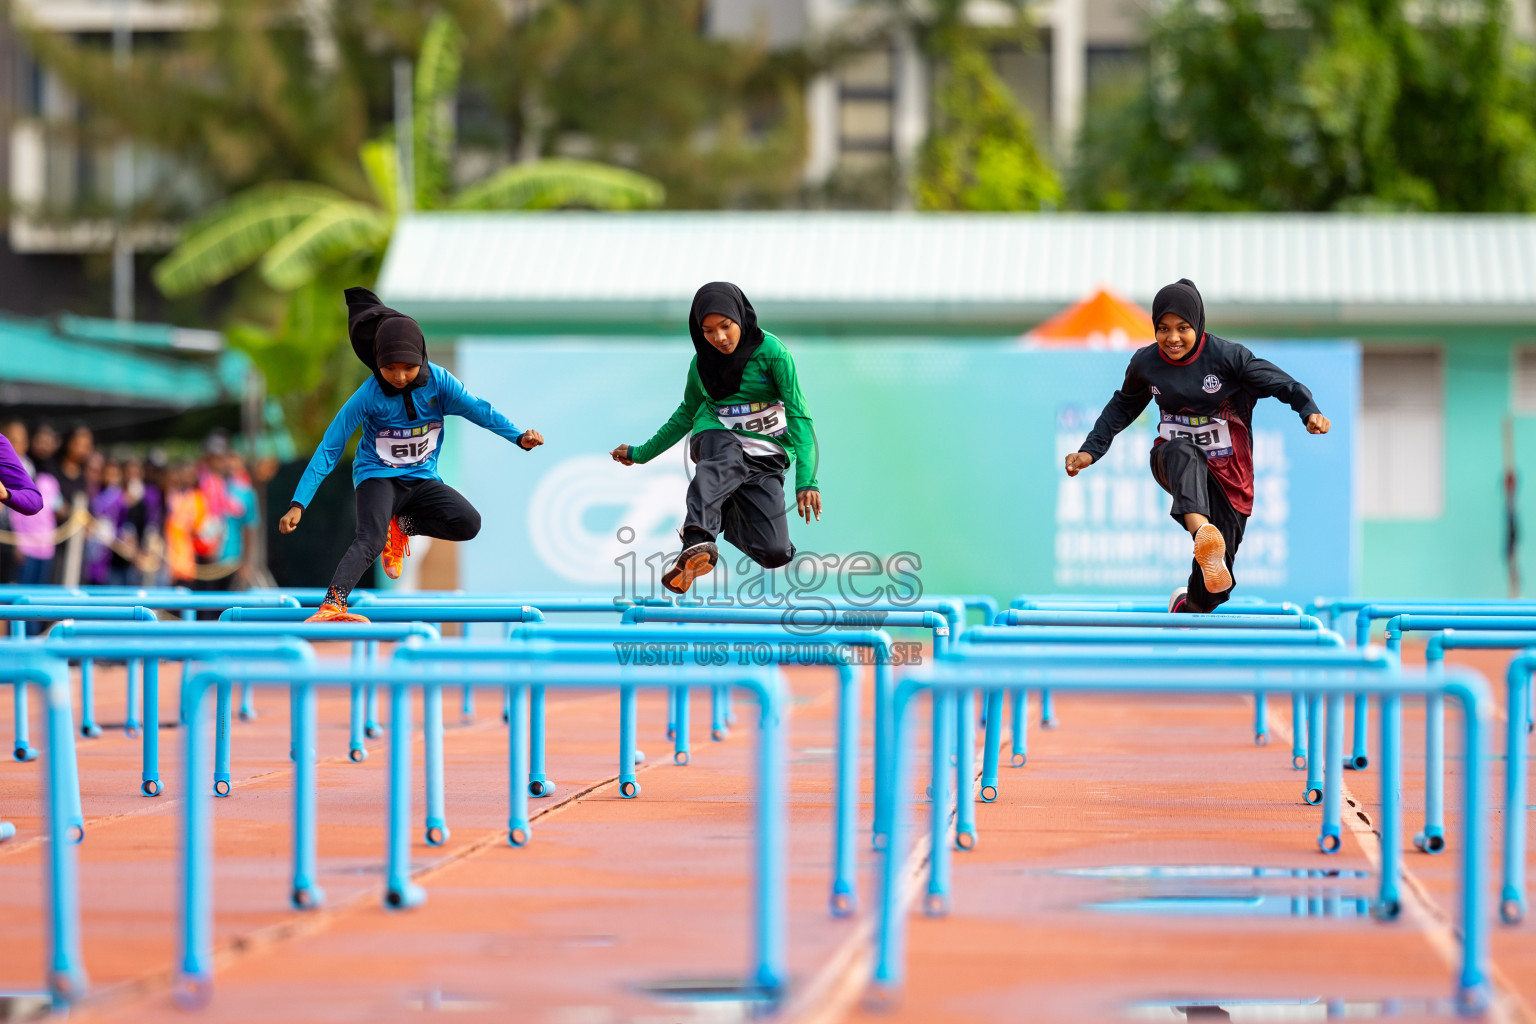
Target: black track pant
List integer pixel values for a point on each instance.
(1180, 468)
(435, 510)
(740, 495)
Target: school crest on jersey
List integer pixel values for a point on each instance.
(1211, 385)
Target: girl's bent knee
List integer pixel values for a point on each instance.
(776, 559)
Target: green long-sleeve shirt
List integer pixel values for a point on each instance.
(768, 413)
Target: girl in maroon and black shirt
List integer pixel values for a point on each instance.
(1205, 389)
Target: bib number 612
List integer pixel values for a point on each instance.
(410, 449)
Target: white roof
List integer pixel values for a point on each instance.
(926, 270)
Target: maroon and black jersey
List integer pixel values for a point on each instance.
(1207, 397)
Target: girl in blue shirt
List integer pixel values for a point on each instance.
(400, 410)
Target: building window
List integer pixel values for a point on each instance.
(1402, 435)
(866, 98)
(1524, 398)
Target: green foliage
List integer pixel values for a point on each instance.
(309, 241)
(981, 154)
(1334, 105)
(436, 88)
(305, 358)
(235, 235)
(718, 122)
(561, 184)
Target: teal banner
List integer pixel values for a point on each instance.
(940, 467)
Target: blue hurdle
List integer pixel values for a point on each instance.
(945, 680)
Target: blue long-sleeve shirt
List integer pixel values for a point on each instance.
(393, 445)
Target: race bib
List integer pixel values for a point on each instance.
(758, 417)
(408, 446)
(1211, 433)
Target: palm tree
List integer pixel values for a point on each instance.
(307, 241)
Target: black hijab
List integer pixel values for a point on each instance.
(381, 336)
(721, 373)
(1182, 298)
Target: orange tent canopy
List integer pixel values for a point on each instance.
(1103, 320)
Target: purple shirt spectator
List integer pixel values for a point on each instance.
(24, 497)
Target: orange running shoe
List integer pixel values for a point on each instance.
(396, 548)
(1211, 556)
(330, 612)
(694, 562)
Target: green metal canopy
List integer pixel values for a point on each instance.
(75, 360)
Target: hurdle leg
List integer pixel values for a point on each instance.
(629, 788)
(88, 726)
(672, 712)
(150, 784)
(306, 895)
(187, 615)
(772, 897)
(844, 867)
(194, 979)
(357, 748)
(1388, 901)
(432, 741)
(1047, 710)
(880, 834)
(1260, 718)
(538, 782)
(23, 749)
(1512, 895)
(1358, 759)
(1020, 727)
(66, 974)
(467, 701)
(1298, 730)
(994, 741)
(682, 724)
(134, 670)
(718, 730)
(890, 948)
(1314, 789)
(248, 702)
(519, 829)
(937, 903)
(221, 739)
(965, 771)
(371, 713)
(400, 891)
(1432, 839)
(1330, 838)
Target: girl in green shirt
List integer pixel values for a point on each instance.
(743, 406)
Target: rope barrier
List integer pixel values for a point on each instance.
(82, 519)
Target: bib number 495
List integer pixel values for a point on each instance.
(763, 424)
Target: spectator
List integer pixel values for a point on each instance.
(73, 491)
(240, 519)
(136, 558)
(45, 449)
(108, 511)
(184, 511)
(35, 534)
(14, 431)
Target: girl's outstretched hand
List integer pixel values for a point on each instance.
(529, 439)
(1077, 462)
(809, 502)
(621, 455)
(1317, 423)
(290, 520)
